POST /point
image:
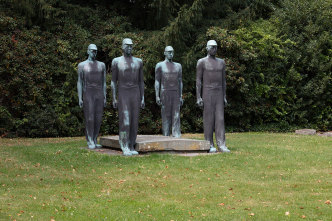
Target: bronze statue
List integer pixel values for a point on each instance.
(91, 87)
(211, 71)
(127, 76)
(168, 81)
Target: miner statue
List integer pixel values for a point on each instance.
(128, 95)
(91, 87)
(168, 87)
(211, 95)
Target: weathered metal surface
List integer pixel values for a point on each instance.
(147, 143)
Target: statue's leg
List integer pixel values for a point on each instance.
(220, 124)
(99, 109)
(176, 125)
(208, 119)
(123, 113)
(166, 113)
(88, 108)
(134, 107)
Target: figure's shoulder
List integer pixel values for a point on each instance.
(138, 60)
(116, 60)
(159, 64)
(201, 60)
(101, 63)
(178, 64)
(81, 64)
(221, 60)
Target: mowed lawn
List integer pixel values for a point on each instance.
(267, 176)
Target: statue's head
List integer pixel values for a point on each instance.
(211, 47)
(127, 46)
(169, 52)
(92, 51)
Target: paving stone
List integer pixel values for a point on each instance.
(306, 131)
(325, 134)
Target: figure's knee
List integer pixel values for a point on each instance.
(176, 115)
(126, 118)
(90, 119)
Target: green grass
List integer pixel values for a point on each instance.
(265, 176)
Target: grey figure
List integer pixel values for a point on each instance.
(91, 87)
(168, 86)
(127, 76)
(210, 74)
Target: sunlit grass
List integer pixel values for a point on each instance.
(265, 177)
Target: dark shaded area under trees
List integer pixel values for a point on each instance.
(278, 55)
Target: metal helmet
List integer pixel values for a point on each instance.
(92, 47)
(211, 43)
(169, 48)
(127, 41)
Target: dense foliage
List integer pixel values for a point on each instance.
(278, 55)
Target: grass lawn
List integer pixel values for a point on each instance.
(267, 176)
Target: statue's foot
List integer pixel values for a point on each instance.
(212, 149)
(176, 134)
(134, 152)
(224, 149)
(98, 146)
(92, 146)
(126, 152)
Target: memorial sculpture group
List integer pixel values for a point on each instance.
(128, 95)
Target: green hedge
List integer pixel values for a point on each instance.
(278, 66)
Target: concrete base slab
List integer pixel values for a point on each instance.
(148, 143)
(117, 152)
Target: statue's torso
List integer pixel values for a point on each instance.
(93, 74)
(128, 71)
(170, 73)
(212, 72)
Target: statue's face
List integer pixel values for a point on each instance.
(169, 54)
(212, 50)
(127, 48)
(92, 53)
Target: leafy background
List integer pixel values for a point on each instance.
(278, 56)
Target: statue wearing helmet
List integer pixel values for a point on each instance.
(211, 95)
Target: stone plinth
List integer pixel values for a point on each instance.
(147, 143)
(306, 131)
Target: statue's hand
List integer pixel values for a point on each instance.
(142, 104)
(181, 101)
(115, 103)
(158, 101)
(200, 102)
(80, 102)
(225, 101)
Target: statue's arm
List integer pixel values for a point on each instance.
(104, 83)
(114, 81)
(199, 76)
(80, 85)
(141, 84)
(157, 83)
(180, 83)
(224, 81)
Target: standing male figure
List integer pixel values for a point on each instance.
(91, 88)
(168, 81)
(127, 76)
(212, 71)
